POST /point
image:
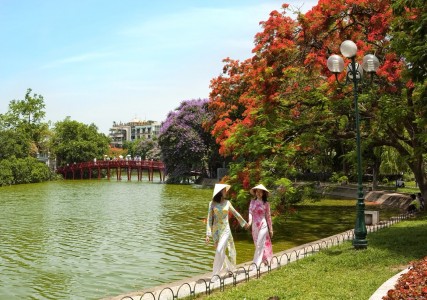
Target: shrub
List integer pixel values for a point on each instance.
(6, 174)
(411, 285)
(287, 194)
(23, 170)
(339, 178)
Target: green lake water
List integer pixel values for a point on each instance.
(92, 239)
(89, 239)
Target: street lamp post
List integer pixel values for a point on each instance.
(354, 75)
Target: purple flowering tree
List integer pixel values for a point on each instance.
(187, 149)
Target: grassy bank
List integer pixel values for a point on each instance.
(309, 221)
(341, 272)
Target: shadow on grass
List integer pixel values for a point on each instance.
(408, 238)
(312, 223)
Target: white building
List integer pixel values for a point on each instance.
(136, 129)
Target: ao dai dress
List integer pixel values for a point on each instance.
(260, 218)
(219, 228)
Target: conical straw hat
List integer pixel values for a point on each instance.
(259, 187)
(219, 187)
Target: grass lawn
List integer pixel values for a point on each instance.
(340, 272)
(316, 220)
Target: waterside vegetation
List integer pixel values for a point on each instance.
(278, 116)
(308, 221)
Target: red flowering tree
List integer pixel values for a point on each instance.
(281, 109)
(393, 108)
(260, 112)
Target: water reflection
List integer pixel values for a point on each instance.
(91, 239)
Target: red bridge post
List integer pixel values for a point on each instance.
(118, 165)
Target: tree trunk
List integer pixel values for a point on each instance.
(375, 172)
(420, 175)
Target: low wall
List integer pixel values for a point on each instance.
(383, 197)
(346, 191)
(386, 198)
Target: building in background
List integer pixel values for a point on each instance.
(133, 130)
(48, 159)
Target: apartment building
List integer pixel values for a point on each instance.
(133, 130)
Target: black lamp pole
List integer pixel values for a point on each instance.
(370, 64)
(360, 232)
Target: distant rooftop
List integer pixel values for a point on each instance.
(134, 122)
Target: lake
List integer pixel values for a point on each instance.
(89, 239)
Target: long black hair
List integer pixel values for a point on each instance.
(218, 197)
(264, 195)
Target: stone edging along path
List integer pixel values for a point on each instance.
(386, 286)
(244, 272)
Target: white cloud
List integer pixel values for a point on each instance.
(86, 57)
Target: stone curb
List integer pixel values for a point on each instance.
(292, 254)
(388, 285)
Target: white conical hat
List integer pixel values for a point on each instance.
(259, 187)
(219, 187)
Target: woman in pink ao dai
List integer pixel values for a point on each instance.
(262, 229)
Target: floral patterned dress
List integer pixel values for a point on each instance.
(218, 228)
(260, 218)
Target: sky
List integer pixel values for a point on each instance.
(100, 61)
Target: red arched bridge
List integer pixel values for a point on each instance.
(119, 167)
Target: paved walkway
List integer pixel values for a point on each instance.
(203, 284)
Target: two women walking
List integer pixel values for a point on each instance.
(218, 228)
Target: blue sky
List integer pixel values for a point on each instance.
(103, 61)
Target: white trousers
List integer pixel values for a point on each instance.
(221, 258)
(260, 243)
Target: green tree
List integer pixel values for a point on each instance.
(23, 122)
(73, 141)
(409, 133)
(6, 173)
(22, 136)
(27, 111)
(391, 161)
(148, 149)
(145, 148)
(269, 113)
(130, 146)
(26, 117)
(275, 111)
(13, 143)
(409, 36)
(23, 170)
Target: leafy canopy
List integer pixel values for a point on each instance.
(185, 146)
(73, 141)
(281, 112)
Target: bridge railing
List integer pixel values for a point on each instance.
(104, 164)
